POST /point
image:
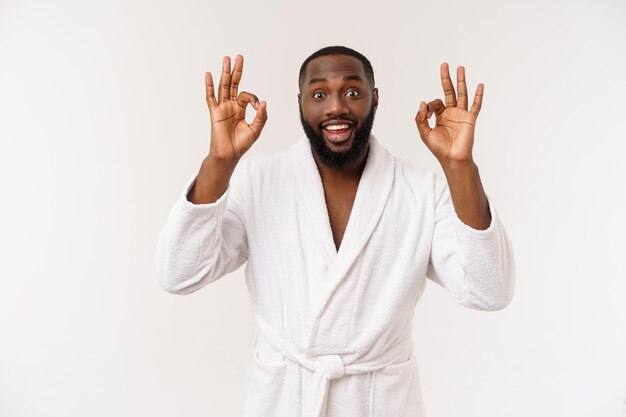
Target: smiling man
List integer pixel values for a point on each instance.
(339, 237)
(355, 113)
(340, 102)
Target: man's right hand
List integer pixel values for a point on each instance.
(231, 135)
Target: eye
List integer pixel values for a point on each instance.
(318, 94)
(356, 93)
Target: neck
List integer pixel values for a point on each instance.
(348, 173)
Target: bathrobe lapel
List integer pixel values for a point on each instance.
(332, 314)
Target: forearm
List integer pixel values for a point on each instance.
(468, 195)
(212, 180)
(199, 243)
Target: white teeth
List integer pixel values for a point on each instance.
(337, 127)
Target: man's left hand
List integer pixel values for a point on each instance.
(452, 138)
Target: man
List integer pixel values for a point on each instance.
(339, 236)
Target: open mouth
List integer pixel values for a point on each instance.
(337, 133)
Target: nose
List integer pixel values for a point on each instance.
(336, 105)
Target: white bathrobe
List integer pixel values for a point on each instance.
(334, 328)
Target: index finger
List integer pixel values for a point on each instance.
(448, 88)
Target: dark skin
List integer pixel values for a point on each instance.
(336, 87)
(450, 141)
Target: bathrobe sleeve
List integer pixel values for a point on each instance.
(200, 243)
(476, 266)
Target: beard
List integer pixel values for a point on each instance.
(334, 159)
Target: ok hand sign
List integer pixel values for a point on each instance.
(452, 138)
(231, 135)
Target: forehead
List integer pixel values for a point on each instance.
(332, 66)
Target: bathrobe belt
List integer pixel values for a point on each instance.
(328, 367)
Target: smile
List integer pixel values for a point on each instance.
(337, 132)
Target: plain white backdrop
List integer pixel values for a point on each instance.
(103, 118)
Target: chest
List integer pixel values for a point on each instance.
(339, 203)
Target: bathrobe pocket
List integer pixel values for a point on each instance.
(267, 386)
(393, 390)
(269, 365)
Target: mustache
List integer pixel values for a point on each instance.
(338, 119)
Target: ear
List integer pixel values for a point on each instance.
(375, 98)
(299, 98)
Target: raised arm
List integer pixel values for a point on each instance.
(231, 135)
(471, 256)
(204, 236)
(451, 141)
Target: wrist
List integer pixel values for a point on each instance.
(458, 166)
(227, 164)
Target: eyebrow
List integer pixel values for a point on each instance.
(351, 77)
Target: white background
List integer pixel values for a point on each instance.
(102, 119)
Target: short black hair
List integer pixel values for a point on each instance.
(338, 50)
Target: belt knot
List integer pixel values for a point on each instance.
(330, 365)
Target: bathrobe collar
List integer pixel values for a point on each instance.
(372, 194)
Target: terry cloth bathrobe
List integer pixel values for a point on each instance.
(334, 328)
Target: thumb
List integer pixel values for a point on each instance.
(259, 119)
(421, 121)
